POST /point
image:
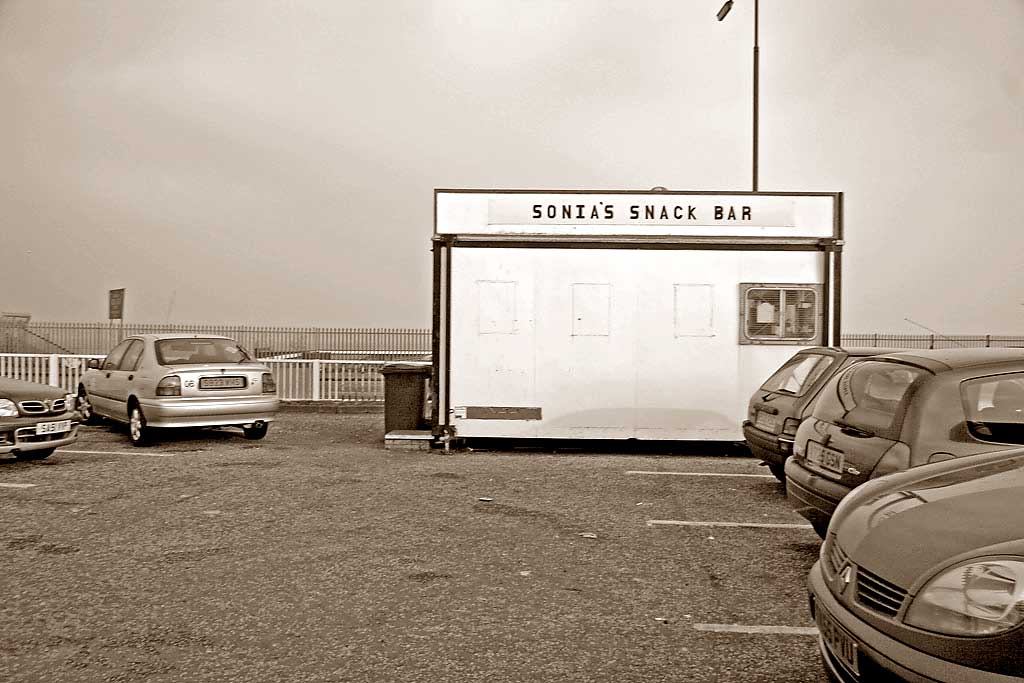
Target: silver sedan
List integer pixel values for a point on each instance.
(179, 380)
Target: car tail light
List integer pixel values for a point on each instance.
(896, 459)
(169, 386)
(790, 426)
(269, 384)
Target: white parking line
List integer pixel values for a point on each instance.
(703, 474)
(758, 629)
(154, 455)
(16, 486)
(745, 525)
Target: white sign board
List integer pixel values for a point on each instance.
(635, 214)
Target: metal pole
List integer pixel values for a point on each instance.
(755, 94)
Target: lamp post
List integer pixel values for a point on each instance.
(721, 15)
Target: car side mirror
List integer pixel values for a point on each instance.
(93, 364)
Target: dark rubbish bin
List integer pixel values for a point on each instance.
(406, 387)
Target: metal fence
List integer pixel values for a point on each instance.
(932, 341)
(297, 379)
(76, 338)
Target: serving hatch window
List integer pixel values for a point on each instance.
(199, 350)
(780, 314)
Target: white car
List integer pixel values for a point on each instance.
(179, 380)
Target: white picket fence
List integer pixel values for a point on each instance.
(297, 379)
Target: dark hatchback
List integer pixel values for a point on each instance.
(902, 410)
(787, 397)
(921, 576)
(35, 419)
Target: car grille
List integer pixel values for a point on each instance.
(877, 594)
(834, 555)
(873, 592)
(57, 405)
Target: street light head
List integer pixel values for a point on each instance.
(725, 10)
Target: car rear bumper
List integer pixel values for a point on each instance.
(815, 497)
(209, 412)
(881, 658)
(771, 448)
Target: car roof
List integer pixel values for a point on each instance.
(868, 351)
(178, 335)
(941, 360)
(849, 351)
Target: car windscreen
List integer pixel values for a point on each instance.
(871, 396)
(199, 350)
(994, 407)
(799, 374)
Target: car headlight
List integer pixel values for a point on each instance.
(70, 400)
(7, 408)
(979, 598)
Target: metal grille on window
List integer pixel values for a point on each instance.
(780, 313)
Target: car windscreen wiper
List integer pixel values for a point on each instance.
(857, 431)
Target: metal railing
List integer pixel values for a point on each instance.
(71, 338)
(297, 379)
(933, 341)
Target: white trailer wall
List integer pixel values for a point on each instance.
(610, 343)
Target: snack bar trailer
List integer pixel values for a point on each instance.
(623, 314)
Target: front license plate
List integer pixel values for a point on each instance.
(840, 643)
(763, 420)
(53, 427)
(221, 382)
(826, 458)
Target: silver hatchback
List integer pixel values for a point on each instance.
(179, 380)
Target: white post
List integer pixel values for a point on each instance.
(316, 380)
(54, 370)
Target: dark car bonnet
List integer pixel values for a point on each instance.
(901, 532)
(19, 390)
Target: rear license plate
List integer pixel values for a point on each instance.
(221, 382)
(765, 421)
(53, 427)
(826, 458)
(840, 643)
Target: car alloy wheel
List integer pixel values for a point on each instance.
(84, 406)
(137, 430)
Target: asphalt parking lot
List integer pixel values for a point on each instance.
(317, 555)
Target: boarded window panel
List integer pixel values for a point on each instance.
(591, 309)
(694, 310)
(497, 301)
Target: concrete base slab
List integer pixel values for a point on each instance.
(408, 440)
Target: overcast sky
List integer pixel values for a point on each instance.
(274, 162)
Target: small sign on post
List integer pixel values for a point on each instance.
(116, 304)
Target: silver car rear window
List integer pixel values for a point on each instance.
(798, 374)
(199, 350)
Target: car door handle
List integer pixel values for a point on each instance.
(131, 376)
(108, 375)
